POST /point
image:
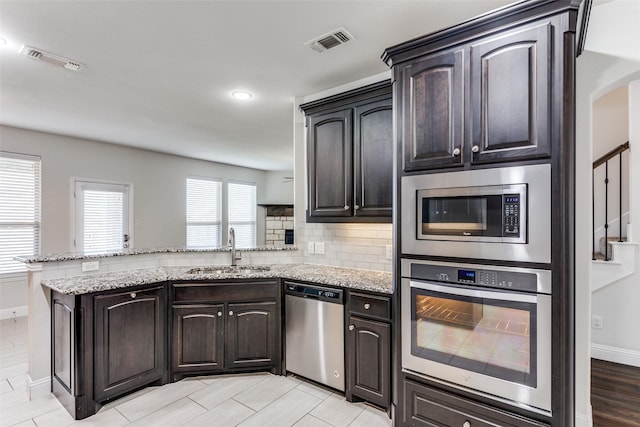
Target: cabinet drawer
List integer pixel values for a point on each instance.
(375, 306)
(424, 406)
(222, 292)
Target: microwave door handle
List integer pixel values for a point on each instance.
(495, 295)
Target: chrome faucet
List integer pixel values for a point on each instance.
(232, 245)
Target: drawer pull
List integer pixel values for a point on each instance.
(347, 207)
(351, 327)
(219, 314)
(466, 424)
(367, 306)
(132, 294)
(230, 312)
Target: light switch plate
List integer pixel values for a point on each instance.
(320, 248)
(311, 248)
(90, 266)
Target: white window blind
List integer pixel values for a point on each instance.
(204, 213)
(19, 209)
(103, 217)
(242, 213)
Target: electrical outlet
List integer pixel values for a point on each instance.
(320, 248)
(597, 322)
(90, 266)
(389, 251)
(311, 248)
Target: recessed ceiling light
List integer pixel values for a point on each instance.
(242, 95)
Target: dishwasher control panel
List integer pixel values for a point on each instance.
(315, 292)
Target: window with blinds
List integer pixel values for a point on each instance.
(19, 209)
(242, 213)
(102, 211)
(204, 213)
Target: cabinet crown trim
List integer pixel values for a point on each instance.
(344, 98)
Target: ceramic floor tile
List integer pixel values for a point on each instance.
(5, 387)
(371, 417)
(311, 421)
(18, 382)
(108, 418)
(174, 414)
(159, 398)
(285, 411)
(228, 413)
(224, 389)
(12, 371)
(29, 409)
(314, 390)
(57, 418)
(266, 391)
(127, 398)
(12, 398)
(28, 423)
(337, 411)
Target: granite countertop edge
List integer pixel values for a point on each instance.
(57, 257)
(341, 277)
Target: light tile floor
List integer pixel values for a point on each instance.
(261, 400)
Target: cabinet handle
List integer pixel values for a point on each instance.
(230, 312)
(466, 424)
(356, 207)
(456, 152)
(367, 306)
(219, 314)
(351, 327)
(346, 207)
(132, 294)
(475, 149)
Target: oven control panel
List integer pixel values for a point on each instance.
(515, 280)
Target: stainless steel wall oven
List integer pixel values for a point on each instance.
(485, 329)
(499, 213)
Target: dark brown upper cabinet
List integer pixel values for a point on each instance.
(350, 156)
(482, 101)
(433, 127)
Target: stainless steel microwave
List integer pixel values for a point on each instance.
(501, 213)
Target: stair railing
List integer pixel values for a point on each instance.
(605, 160)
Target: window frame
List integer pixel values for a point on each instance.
(20, 271)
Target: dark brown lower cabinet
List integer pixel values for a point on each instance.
(426, 406)
(198, 338)
(225, 327)
(369, 363)
(368, 348)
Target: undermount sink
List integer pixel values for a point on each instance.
(238, 269)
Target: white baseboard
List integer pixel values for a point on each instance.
(38, 388)
(615, 354)
(584, 420)
(10, 313)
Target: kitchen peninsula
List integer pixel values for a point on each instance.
(146, 294)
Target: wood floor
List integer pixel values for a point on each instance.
(615, 394)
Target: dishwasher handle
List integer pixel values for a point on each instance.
(319, 293)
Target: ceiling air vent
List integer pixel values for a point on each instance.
(330, 40)
(50, 58)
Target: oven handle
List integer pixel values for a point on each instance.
(496, 295)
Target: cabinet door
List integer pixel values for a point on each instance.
(198, 338)
(373, 159)
(433, 105)
(329, 148)
(129, 343)
(369, 345)
(252, 335)
(511, 95)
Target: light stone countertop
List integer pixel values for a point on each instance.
(73, 256)
(351, 278)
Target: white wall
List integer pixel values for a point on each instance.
(278, 188)
(346, 245)
(158, 189)
(618, 340)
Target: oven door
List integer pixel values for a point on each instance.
(494, 342)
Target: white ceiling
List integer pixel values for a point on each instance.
(159, 74)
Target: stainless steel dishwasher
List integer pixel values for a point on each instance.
(314, 333)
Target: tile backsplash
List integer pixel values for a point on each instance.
(347, 245)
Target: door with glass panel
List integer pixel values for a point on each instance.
(102, 217)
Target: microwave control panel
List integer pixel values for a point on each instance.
(511, 214)
(513, 280)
